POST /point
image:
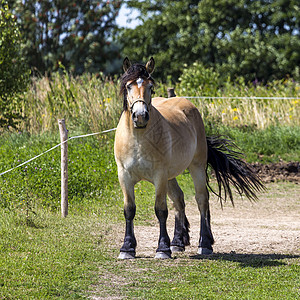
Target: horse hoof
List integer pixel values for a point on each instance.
(126, 255)
(204, 251)
(175, 249)
(162, 255)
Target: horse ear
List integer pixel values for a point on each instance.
(126, 64)
(150, 65)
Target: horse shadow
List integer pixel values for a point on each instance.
(250, 260)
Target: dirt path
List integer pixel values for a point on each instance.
(270, 226)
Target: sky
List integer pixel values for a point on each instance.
(125, 14)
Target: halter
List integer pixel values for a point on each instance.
(140, 100)
(139, 82)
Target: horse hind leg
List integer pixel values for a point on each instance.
(181, 231)
(206, 240)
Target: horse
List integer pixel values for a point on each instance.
(156, 140)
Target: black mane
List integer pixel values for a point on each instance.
(134, 72)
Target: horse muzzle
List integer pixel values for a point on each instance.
(140, 119)
(139, 113)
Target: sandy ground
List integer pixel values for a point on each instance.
(269, 226)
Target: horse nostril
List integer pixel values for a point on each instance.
(133, 116)
(146, 116)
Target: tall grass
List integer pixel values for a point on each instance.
(90, 103)
(259, 113)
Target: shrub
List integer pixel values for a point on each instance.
(198, 77)
(14, 74)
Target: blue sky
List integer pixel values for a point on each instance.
(125, 16)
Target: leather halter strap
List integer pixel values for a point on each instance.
(139, 100)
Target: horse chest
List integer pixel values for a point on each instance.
(141, 163)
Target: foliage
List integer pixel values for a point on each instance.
(75, 33)
(199, 78)
(198, 81)
(253, 39)
(14, 74)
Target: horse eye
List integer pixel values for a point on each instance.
(129, 86)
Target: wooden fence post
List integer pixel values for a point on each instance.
(171, 92)
(64, 167)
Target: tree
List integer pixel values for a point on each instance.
(72, 32)
(254, 39)
(14, 73)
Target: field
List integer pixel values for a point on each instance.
(257, 253)
(257, 249)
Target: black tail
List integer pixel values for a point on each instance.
(231, 169)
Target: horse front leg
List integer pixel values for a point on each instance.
(163, 250)
(127, 251)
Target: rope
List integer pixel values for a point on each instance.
(71, 138)
(233, 97)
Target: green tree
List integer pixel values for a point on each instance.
(72, 32)
(254, 39)
(14, 73)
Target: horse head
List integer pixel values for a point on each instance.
(137, 88)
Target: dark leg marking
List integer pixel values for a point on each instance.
(206, 238)
(129, 240)
(181, 233)
(164, 240)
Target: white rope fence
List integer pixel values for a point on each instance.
(71, 138)
(238, 97)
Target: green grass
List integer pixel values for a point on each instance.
(219, 277)
(271, 144)
(54, 259)
(92, 168)
(73, 258)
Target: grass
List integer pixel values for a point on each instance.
(271, 144)
(92, 168)
(51, 260)
(74, 258)
(220, 277)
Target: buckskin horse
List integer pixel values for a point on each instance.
(156, 140)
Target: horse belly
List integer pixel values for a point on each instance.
(181, 159)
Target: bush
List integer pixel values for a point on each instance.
(14, 74)
(197, 77)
